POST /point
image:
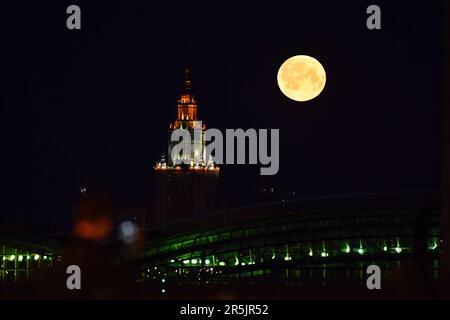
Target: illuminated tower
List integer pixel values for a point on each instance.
(187, 119)
(190, 188)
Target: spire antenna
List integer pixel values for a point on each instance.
(187, 78)
(187, 70)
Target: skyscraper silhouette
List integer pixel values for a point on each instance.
(186, 184)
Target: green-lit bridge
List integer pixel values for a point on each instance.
(323, 239)
(18, 259)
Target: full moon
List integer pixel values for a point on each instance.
(301, 78)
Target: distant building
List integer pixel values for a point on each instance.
(187, 189)
(274, 188)
(267, 189)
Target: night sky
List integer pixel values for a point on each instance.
(93, 106)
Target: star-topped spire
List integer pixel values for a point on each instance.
(187, 103)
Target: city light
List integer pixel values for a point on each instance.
(434, 246)
(36, 257)
(20, 258)
(347, 249)
(361, 251)
(398, 249)
(12, 257)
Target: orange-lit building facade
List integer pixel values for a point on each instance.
(190, 188)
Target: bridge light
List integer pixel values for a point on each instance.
(434, 245)
(347, 249)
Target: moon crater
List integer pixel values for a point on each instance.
(301, 78)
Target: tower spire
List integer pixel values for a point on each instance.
(187, 70)
(187, 78)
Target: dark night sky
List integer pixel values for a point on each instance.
(94, 105)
